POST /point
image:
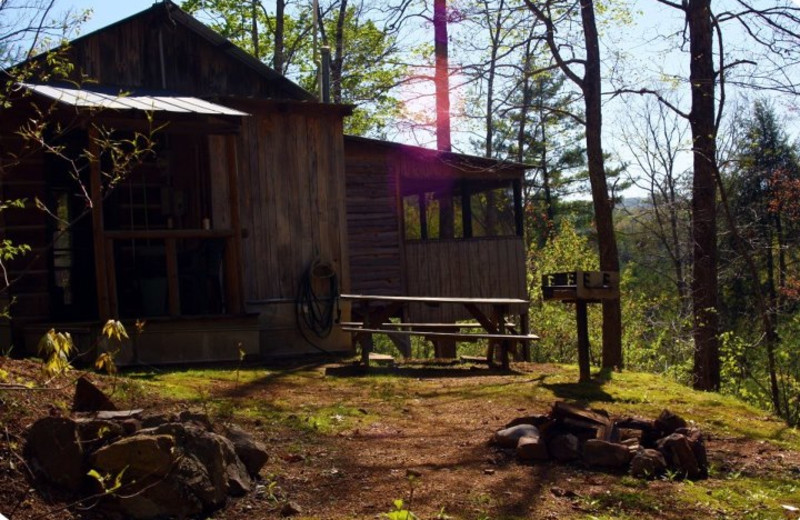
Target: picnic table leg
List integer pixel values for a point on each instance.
(525, 324)
(583, 341)
(488, 326)
(500, 317)
(366, 348)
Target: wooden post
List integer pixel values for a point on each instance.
(519, 217)
(444, 348)
(98, 228)
(525, 325)
(466, 209)
(500, 316)
(583, 341)
(233, 246)
(366, 337)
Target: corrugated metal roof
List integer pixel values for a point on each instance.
(131, 101)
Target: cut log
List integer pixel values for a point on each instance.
(579, 415)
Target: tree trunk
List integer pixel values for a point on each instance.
(442, 80)
(706, 370)
(277, 57)
(609, 257)
(337, 65)
(254, 27)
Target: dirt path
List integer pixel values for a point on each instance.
(348, 447)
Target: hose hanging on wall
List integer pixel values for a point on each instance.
(318, 312)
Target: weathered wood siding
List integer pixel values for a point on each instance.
(292, 193)
(373, 224)
(129, 54)
(29, 273)
(477, 268)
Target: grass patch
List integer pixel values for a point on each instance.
(741, 497)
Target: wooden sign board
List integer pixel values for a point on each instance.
(581, 285)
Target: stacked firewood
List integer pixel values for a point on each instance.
(572, 434)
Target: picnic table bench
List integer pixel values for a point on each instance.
(376, 309)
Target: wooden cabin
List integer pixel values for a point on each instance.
(210, 237)
(251, 193)
(428, 223)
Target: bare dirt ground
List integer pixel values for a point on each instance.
(348, 447)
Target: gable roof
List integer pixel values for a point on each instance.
(172, 13)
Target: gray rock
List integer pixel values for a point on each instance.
(564, 448)
(536, 420)
(698, 443)
(227, 473)
(678, 453)
(251, 452)
(175, 496)
(668, 422)
(291, 509)
(95, 433)
(196, 418)
(118, 415)
(648, 463)
(532, 448)
(139, 456)
(54, 450)
(509, 437)
(89, 398)
(598, 453)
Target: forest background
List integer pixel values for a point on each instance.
(519, 76)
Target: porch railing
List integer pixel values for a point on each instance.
(486, 267)
(170, 238)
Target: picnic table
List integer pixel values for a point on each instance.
(375, 311)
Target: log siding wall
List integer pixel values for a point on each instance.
(373, 225)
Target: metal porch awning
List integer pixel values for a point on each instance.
(103, 98)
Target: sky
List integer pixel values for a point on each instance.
(104, 12)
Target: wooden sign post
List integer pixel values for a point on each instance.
(581, 288)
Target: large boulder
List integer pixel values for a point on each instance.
(145, 466)
(599, 453)
(252, 453)
(140, 457)
(226, 471)
(55, 452)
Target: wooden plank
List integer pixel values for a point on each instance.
(172, 234)
(96, 187)
(267, 205)
(233, 248)
(464, 336)
(399, 325)
(583, 341)
(340, 224)
(433, 299)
